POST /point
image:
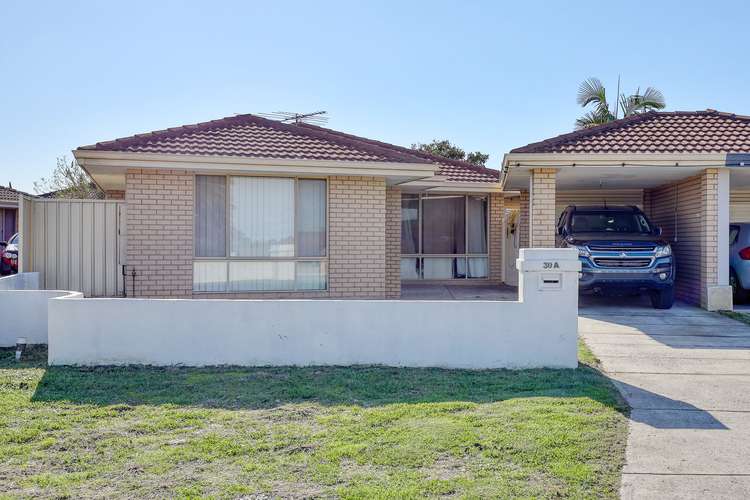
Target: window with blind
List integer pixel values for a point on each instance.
(257, 234)
(444, 237)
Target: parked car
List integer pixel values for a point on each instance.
(9, 256)
(621, 252)
(739, 260)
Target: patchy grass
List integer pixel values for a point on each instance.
(362, 432)
(736, 315)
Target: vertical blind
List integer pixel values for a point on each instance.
(278, 219)
(210, 216)
(453, 230)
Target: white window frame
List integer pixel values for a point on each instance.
(227, 258)
(466, 255)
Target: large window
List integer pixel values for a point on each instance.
(257, 234)
(443, 237)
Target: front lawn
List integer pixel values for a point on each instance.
(365, 432)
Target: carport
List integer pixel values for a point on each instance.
(686, 170)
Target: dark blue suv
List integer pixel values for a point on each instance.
(620, 251)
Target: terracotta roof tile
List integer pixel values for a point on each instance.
(707, 131)
(255, 137)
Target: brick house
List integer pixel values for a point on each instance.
(246, 207)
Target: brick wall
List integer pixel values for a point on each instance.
(357, 236)
(497, 236)
(160, 232)
(114, 194)
(542, 208)
(709, 264)
(523, 220)
(393, 243)
(687, 212)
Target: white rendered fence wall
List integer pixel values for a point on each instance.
(23, 309)
(540, 330)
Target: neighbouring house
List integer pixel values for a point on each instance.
(249, 207)
(8, 212)
(688, 171)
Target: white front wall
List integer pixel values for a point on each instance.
(539, 330)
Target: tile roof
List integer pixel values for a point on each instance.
(707, 131)
(9, 194)
(256, 137)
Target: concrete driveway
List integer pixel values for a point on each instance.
(686, 374)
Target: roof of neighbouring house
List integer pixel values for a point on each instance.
(9, 194)
(708, 131)
(252, 136)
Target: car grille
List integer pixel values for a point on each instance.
(630, 263)
(634, 248)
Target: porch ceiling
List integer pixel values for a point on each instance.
(608, 177)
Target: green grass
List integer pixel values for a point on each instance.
(739, 316)
(364, 432)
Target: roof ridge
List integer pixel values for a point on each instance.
(411, 151)
(583, 133)
(339, 139)
(572, 138)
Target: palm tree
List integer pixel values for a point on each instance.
(592, 91)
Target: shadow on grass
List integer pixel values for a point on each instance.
(269, 387)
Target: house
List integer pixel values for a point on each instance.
(8, 212)
(688, 171)
(249, 207)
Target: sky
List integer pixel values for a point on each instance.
(488, 76)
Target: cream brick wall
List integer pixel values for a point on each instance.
(160, 237)
(497, 236)
(542, 208)
(160, 232)
(709, 275)
(357, 242)
(523, 220)
(393, 243)
(687, 212)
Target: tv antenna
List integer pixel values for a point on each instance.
(314, 118)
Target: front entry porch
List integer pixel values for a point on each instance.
(432, 291)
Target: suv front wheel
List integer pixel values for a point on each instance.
(662, 299)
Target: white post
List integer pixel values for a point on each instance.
(548, 288)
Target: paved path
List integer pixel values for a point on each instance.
(686, 374)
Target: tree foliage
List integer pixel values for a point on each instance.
(591, 93)
(68, 180)
(446, 149)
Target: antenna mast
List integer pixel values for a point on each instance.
(314, 118)
(617, 97)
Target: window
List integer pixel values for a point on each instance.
(259, 234)
(609, 221)
(444, 237)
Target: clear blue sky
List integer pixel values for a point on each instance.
(489, 76)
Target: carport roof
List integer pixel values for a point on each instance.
(708, 131)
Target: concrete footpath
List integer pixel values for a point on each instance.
(686, 374)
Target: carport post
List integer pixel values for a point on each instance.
(715, 272)
(542, 207)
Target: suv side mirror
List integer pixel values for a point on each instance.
(657, 231)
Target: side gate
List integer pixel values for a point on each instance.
(74, 244)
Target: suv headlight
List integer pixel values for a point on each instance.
(663, 251)
(583, 251)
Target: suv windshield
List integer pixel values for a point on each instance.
(605, 222)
